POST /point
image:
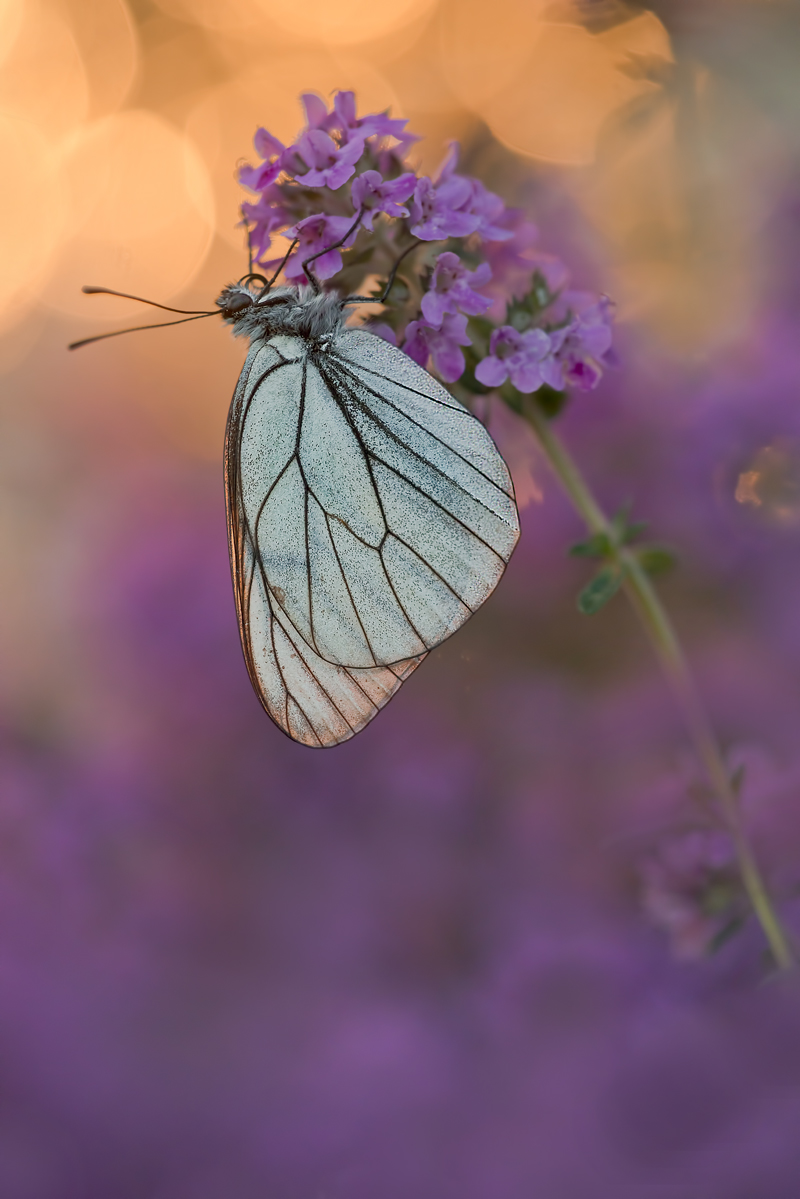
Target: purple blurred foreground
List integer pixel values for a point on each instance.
(417, 965)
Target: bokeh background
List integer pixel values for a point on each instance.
(424, 965)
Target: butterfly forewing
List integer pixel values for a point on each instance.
(369, 515)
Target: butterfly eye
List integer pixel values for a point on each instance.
(236, 303)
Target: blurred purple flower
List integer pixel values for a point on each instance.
(690, 889)
(435, 209)
(390, 157)
(525, 358)
(424, 341)
(452, 289)
(330, 165)
(374, 195)
(378, 124)
(582, 347)
(479, 202)
(316, 233)
(514, 260)
(342, 119)
(552, 270)
(489, 209)
(316, 110)
(275, 155)
(267, 215)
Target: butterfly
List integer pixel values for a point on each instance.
(370, 514)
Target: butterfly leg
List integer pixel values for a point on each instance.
(312, 278)
(389, 282)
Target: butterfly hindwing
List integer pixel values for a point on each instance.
(313, 701)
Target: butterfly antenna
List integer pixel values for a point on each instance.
(198, 316)
(106, 291)
(381, 299)
(268, 283)
(312, 278)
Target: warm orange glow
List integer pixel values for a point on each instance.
(30, 214)
(545, 88)
(344, 23)
(182, 378)
(11, 13)
(107, 42)
(141, 217)
(483, 51)
(224, 15)
(772, 485)
(43, 78)
(570, 84)
(747, 488)
(677, 220)
(644, 38)
(423, 87)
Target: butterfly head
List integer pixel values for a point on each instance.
(298, 311)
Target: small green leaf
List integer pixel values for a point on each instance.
(550, 401)
(655, 559)
(541, 294)
(626, 531)
(596, 546)
(631, 532)
(520, 320)
(521, 313)
(603, 587)
(724, 935)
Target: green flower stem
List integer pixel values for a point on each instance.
(662, 635)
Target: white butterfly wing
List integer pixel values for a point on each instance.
(443, 490)
(313, 701)
(369, 516)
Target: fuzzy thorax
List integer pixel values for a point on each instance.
(291, 310)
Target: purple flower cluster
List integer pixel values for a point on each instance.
(524, 358)
(442, 343)
(325, 192)
(327, 153)
(570, 355)
(372, 194)
(690, 889)
(456, 206)
(453, 289)
(442, 329)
